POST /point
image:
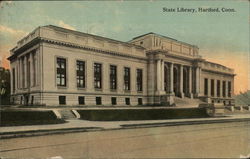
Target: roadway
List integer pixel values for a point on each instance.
(227, 140)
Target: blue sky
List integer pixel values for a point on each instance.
(218, 35)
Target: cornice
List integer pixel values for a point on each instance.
(217, 72)
(167, 54)
(72, 45)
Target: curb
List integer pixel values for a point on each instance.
(8, 135)
(30, 133)
(146, 125)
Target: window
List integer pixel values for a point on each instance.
(61, 72)
(81, 100)
(205, 87)
(139, 79)
(80, 74)
(98, 100)
(212, 87)
(113, 77)
(127, 101)
(32, 100)
(62, 100)
(218, 88)
(98, 75)
(21, 100)
(139, 101)
(229, 89)
(113, 100)
(126, 78)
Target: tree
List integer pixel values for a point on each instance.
(4, 86)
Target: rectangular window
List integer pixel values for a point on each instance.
(113, 77)
(98, 100)
(224, 88)
(212, 87)
(80, 74)
(205, 86)
(139, 101)
(127, 101)
(62, 100)
(126, 78)
(139, 79)
(218, 88)
(113, 100)
(81, 100)
(61, 72)
(229, 89)
(97, 75)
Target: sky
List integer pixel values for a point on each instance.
(222, 37)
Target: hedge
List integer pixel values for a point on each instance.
(142, 114)
(27, 117)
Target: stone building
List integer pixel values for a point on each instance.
(58, 66)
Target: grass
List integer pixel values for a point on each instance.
(28, 117)
(142, 114)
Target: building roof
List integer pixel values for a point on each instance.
(96, 36)
(162, 36)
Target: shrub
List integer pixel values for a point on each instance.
(142, 114)
(27, 117)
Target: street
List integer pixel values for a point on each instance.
(227, 140)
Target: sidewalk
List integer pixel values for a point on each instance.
(84, 125)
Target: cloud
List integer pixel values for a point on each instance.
(4, 54)
(64, 25)
(5, 29)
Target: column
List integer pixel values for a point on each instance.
(226, 91)
(190, 82)
(221, 88)
(19, 73)
(162, 76)
(158, 75)
(171, 78)
(31, 70)
(215, 87)
(181, 81)
(25, 71)
(11, 81)
(22, 72)
(208, 87)
(197, 82)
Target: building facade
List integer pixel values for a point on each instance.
(56, 66)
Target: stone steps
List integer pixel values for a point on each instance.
(186, 102)
(67, 114)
